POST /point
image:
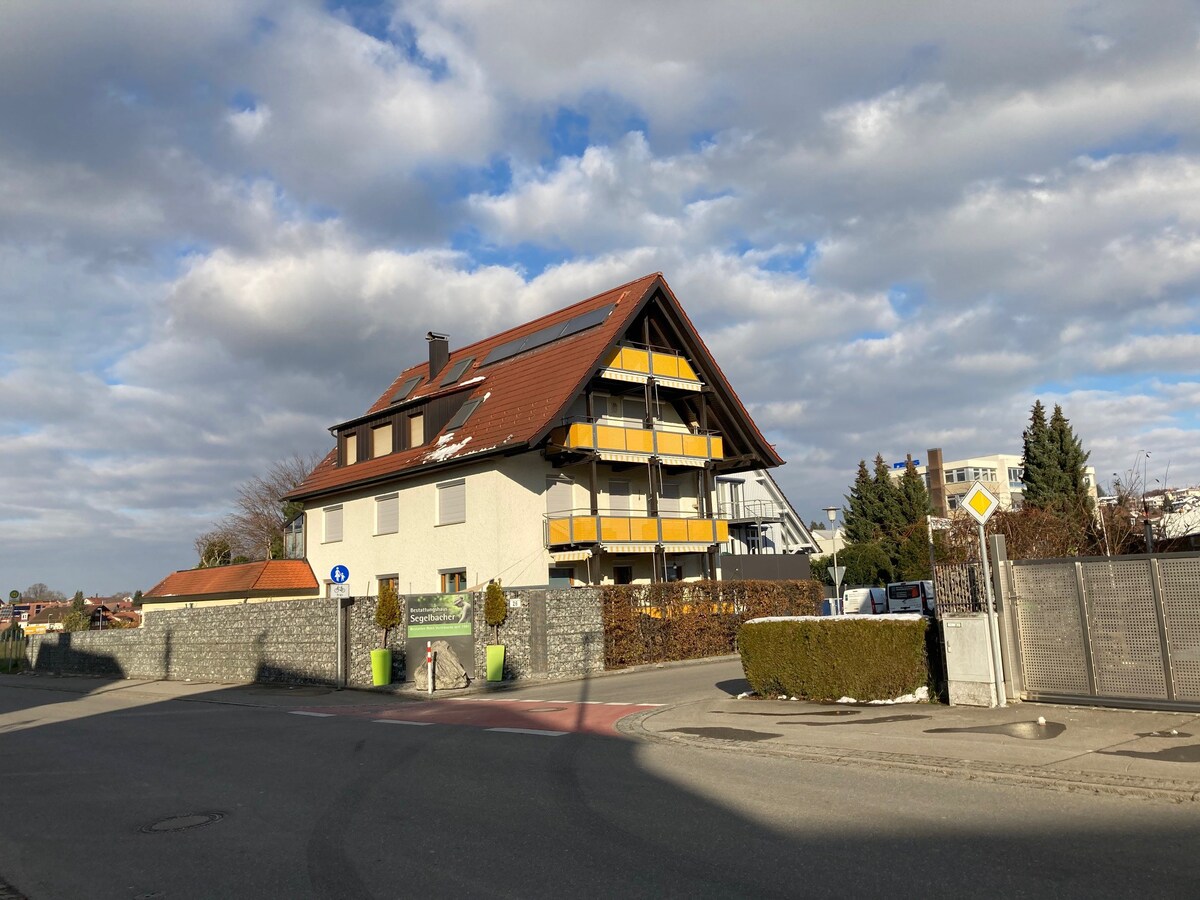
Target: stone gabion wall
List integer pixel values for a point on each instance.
(364, 636)
(574, 632)
(288, 640)
(514, 635)
(551, 633)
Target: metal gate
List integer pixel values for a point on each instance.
(1116, 631)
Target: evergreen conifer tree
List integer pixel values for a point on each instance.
(1038, 460)
(1072, 497)
(914, 497)
(861, 514)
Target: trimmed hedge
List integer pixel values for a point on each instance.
(831, 658)
(646, 623)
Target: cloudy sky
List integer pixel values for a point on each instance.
(225, 226)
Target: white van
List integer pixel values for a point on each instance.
(864, 601)
(910, 597)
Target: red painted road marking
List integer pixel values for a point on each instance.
(547, 715)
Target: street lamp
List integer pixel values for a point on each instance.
(831, 512)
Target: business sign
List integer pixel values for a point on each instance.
(438, 615)
(901, 465)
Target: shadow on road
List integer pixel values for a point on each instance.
(242, 799)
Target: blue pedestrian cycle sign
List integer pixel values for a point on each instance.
(339, 574)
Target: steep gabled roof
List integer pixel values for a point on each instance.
(256, 579)
(523, 395)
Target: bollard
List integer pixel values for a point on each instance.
(429, 663)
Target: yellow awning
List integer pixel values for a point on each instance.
(571, 556)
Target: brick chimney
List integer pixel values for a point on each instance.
(439, 352)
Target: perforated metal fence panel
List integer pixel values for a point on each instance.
(1050, 629)
(1123, 627)
(1180, 582)
(1122, 631)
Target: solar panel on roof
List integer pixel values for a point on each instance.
(587, 320)
(456, 371)
(406, 389)
(464, 413)
(548, 335)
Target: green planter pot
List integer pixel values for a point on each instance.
(381, 667)
(495, 662)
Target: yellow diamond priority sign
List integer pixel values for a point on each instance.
(980, 503)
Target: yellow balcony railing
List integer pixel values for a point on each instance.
(615, 439)
(647, 531)
(639, 363)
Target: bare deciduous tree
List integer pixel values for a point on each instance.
(255, 529)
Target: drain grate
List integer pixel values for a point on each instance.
(181, 823)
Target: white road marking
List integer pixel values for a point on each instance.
(528, 731)
(400, 722)
(315, 715)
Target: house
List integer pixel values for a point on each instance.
(580, 448)
(1001, 473)
(761, 518)
(254, 582)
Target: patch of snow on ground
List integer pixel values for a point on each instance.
(920, 695)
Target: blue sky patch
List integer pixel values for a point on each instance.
(1150, 141)
(531, 259)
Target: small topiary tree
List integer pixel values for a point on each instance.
(495, 608)
(388, 614)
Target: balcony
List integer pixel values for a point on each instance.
(620, 532)
(639, 364)
(615, 443)
(746, 511)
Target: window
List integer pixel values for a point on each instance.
(393, 580)
(669, 502)
(406, 389)
(381, 440)
(618, 496)
(387, 514)
(416, 430)
(623, 574)
(674, 572)
(293, 538)
(454, 581)
(952, 501)
(456, 371)
(560, 497)
(351, 449)
(333, 523)
(464, 413)
(616, 408)
(452, 502)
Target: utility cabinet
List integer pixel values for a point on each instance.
(968, 666)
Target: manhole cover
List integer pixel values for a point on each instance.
(547, 709)
(181, 823)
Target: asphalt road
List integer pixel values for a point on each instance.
(284, 803)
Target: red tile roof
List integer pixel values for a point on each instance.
(523, 394)
(246, 579)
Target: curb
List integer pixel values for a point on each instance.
(944, 767)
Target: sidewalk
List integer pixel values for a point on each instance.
(1123, 752)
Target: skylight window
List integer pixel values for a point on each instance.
(464, 413)
(549, 334)
(456, 371)
(406, 389)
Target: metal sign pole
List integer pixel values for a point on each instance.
(993, 624)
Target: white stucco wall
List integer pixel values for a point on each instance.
(502, 536)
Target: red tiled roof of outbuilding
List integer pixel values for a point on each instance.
(249, 579)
